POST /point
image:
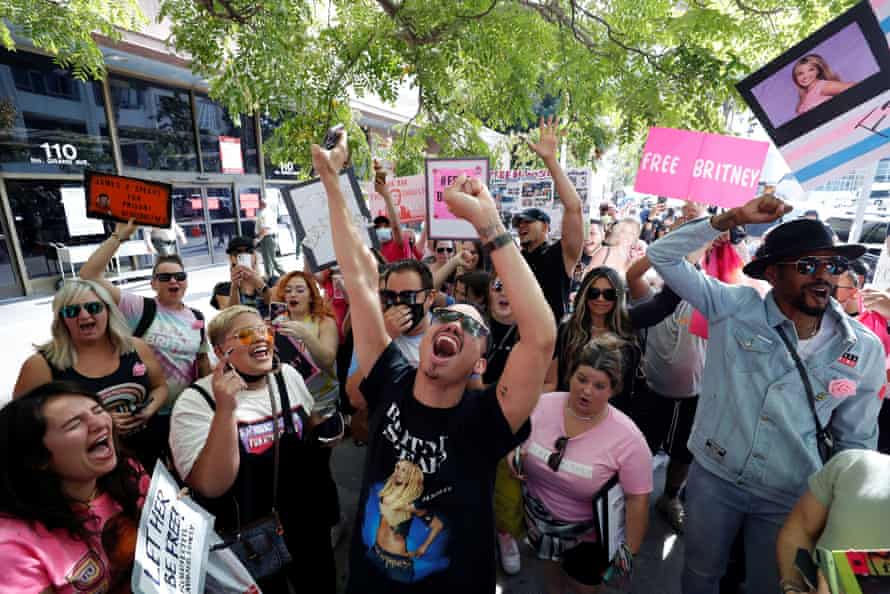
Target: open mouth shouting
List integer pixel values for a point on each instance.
(101, 449)
(447, 344)
(261, 352)
(820, 291)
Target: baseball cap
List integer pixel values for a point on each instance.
(240, 243)
(531, 214)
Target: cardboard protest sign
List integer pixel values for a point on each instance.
(172, 544)
(230, 156)
(307, 205)
(120, 198)
(825, 101)
(709, 168)
(408, 195)
(74, 202)
(440, 173)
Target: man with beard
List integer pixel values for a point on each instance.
(427, 416)
(784, 376)
(553, 264)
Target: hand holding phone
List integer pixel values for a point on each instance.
(276, 309)
(244, 260)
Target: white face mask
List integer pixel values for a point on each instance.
(384, 234)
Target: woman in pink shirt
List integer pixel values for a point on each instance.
(69, 502)
(578, 443)
(815, 81)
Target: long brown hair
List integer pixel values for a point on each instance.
(578, 326)
(318, 305)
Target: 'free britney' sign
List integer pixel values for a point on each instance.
(709, 168)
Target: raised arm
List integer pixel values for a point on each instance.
(520, 384)
(711, 297)
(94, 268)
(356, 261)
(572, 220)
(395, 223)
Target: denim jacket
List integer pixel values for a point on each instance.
(754, 426)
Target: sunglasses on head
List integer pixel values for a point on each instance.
(246, 336)
(443, 250)
(391, 298)
(73, 310)
(555, 459)
(607, 294)
(809, 265)
(166, 277)
(469, 325)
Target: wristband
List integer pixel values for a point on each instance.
(498, 242)
(792, 588)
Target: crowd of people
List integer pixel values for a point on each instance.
(500, 386)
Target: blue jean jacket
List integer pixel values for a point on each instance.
(754, 427)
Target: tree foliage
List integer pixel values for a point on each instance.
(609, 68)
(65, 29)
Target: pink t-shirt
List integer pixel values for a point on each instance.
(590, 460)
(34, 559)
(813, 97)
(393, 252)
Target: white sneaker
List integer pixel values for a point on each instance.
(509, 553)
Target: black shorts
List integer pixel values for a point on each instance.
(671, 426)
(586, 563)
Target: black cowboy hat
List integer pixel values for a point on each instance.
(796, 238)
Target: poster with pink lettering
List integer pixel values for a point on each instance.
(408, 197)
(441, 173)
(708, 168)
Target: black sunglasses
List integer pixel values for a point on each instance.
(444, 250)
(555, 459)
(809, 265)
(469, 325)
(608, 294)
(391, 298)
(166, 277)
(73, 310)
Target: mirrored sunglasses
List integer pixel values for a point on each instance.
(469, 325)
(73, 310)
(809, 265)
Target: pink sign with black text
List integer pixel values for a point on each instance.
(708, 168)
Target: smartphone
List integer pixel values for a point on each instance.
(277, 308)
(330, 139)
(804, 563)
(517, 460)
(245, 260)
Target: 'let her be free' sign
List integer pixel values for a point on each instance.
(708, 168)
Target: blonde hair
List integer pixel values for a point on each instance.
(60, 351)
(221, 324)
(398, 509)
(825, 71)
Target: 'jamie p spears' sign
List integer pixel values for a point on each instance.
(708, 168)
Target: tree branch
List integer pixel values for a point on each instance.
(226, 10)
(758, 11)
(435, 35)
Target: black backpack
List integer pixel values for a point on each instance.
(150, 309)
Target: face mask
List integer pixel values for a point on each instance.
(416, 316)
(384, 234)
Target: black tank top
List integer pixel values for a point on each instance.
(120, 390)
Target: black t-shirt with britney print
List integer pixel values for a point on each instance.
(425, 521)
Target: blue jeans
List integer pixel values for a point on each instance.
(715, 511)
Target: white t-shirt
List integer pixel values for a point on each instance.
(190, 422)
(827, 330)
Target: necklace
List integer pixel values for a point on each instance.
(582, 417)
(813, 332)
(90, 499)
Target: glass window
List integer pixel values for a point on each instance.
(154, 125)
(49, 121)
(47, 213)
(873, 232)
(275, 170)
(841, 227)
(215, 124)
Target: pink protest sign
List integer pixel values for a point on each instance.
(441, 173)
(708, 168)
(408, 196)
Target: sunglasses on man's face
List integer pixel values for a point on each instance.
(391, 298)
(607, 294)
(445, 250)
(809, 265)
(555, 458)
(73, 310)
(247, 336)
(166, 277)
(469, 324)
